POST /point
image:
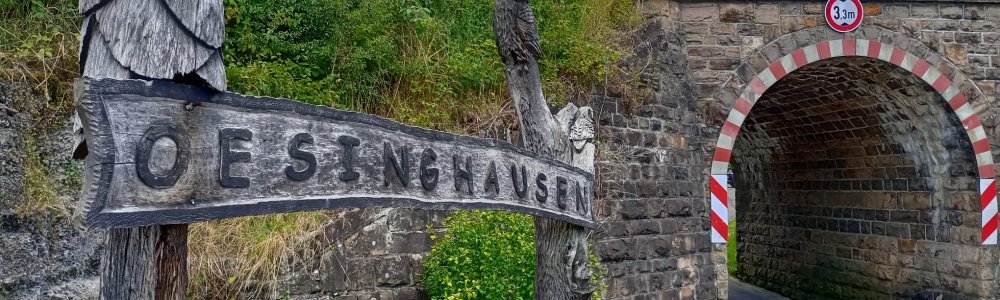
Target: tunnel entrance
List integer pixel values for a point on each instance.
(857, 177)
(840, 169)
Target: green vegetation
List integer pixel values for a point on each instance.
(428, 63)
(38, 47)
(731, 249)
(483, 254)
(41, 201)
(487, 255)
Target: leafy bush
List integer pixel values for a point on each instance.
(487, 255)
(483, 254)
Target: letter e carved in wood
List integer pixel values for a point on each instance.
(227, 156)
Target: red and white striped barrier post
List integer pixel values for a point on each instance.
(720, 209)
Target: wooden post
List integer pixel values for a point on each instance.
(562, 268)
(172, 40)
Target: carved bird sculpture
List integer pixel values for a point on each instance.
(515, 31)
(177, 40)
(156, 39)
(582, 130)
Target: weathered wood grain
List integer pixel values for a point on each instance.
(159, 39)
(87, 6)
(255, 155)
(171, 262)
(203, 18)
(213, 71)
(96, 60)
(562, 269)
(129, 267)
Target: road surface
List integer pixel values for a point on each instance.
(739, 290)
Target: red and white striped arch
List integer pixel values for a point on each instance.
(951, 91)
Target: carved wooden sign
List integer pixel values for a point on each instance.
(163, 153)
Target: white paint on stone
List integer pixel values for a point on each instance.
(964, 112)
(767, 77)
(949, 93)
(909, 60)
(861, 47)
(736, 117)
(726, 141)
(931, 75)
(885, 53)
(720, 166)
(836, 48)
(812, 55)
(788, 63)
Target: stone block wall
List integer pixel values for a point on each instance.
(653, 239)
(719, 37)
(367, 254)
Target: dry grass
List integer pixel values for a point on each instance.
(240, 257)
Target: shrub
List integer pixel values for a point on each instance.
(487, 255)
(483, 255)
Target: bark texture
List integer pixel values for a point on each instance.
(171, 262)
(562, 269)
(148, 262)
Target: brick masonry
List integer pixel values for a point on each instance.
(653, 239)
(809, 170)
(366, 254)
(841, 183)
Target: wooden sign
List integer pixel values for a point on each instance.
(163, 153)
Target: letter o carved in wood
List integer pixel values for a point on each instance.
(144, 151)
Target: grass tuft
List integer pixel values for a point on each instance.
(41, 202)
(240, 257)
(731, 249)
(39, 44)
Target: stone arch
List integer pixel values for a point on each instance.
(789, 53)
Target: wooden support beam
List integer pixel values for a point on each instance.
(562, 269)
(124, 39)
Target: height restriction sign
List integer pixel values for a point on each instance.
(844, 15)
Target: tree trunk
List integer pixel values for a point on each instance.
(148, 262)
(171, 262)
(562, 269)
(151, 261)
